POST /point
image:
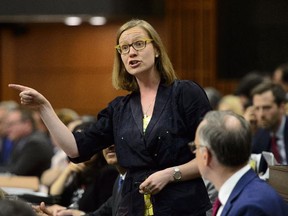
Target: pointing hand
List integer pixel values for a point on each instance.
(29, 96)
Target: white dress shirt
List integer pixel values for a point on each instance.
(227, 188)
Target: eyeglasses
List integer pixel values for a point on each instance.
(137, 45)
(194, 147)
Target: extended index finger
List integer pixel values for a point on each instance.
(18, 87)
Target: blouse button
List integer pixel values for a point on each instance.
(155, 155)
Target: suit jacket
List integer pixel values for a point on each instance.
(5, 150)
(261, 142)
(109, 208)
(89, 189)
(30, 156)
(254, 197)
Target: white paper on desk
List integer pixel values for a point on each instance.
(270, 159)
(255, 161)
(16, 191)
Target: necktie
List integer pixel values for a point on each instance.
(120, 183)
(216, 206)
(274, 148)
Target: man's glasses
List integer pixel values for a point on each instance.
(194, 147)
(137, 45)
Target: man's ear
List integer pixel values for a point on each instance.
(283, 107)
(207, 156)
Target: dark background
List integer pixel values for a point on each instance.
(109, 8)
(252, 35)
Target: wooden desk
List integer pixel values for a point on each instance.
(29, 182)
(278, 179)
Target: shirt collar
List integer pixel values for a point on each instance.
(228, 186)
(122, 176)
(280, 132)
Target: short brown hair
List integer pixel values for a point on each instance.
(277, 91)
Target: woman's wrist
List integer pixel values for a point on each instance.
(169, 173)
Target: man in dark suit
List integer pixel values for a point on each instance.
(5, 143)
(110, 207)
(269, 109)
(223, 147)
(32, 150)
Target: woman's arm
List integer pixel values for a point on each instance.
(59, 132)
(158, 180)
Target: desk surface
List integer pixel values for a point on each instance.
(278, 178)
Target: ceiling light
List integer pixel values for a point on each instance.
(97, 20)
(73, 21)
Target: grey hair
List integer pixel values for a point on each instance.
(228, 136)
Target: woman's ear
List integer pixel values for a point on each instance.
(156, 53)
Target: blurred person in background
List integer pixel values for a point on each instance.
(5, 143)
(247, 83)
(280, 76)
(232, 103)
(59, 160)
(214, 96)
(32, 150)
(243, 90)
(15, 208)
(269, 101)
(110, 207)
(84, 186)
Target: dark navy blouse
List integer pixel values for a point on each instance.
(178, 110)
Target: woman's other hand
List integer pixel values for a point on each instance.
(156, 181)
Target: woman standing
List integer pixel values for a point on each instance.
(150, 127)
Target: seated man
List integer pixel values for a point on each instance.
(223, 147)
(109, 207)
(272, 133)
(32, 149)
(5, 143)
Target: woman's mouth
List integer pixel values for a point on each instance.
(134, 63)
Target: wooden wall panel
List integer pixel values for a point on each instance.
(72, 65)
(7, 63)
(192, 40)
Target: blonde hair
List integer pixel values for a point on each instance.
(232, 103)
(121, 79)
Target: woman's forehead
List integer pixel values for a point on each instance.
(132, 33)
